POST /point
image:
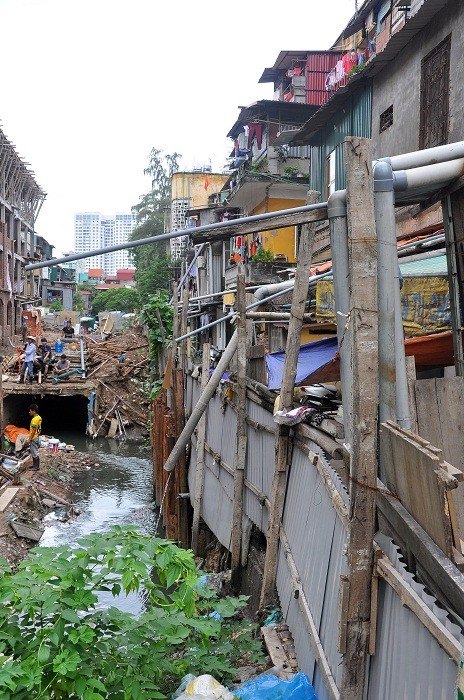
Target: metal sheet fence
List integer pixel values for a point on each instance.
(407, 655)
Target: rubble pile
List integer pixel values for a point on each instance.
(27, 496)
(119, 365)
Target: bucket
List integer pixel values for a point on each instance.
(58, 346)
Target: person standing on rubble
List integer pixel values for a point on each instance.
(34, 435)
(30, 350)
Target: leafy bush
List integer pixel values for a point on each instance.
(57, 643)
(263, 256)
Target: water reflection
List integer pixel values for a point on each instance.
(117, 490)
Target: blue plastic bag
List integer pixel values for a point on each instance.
(268, 687)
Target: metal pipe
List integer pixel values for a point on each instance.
(312, 282)
(336, 209)
(429, 156)
(452, 254)
(384, 207)
(221, 294)
(207, 228)
(202, 404)
(393, 385)
(191, 264)
(81, 341)
(427, 175)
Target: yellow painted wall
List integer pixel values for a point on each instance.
(192, 186)
(281, 240)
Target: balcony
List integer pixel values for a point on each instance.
(258, 273)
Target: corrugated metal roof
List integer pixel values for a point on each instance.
(427, 267)
(287, 112)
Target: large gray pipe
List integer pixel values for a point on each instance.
(393, 385)
(336, 209)
(429, 156)
(207, 228)
(427, 175)
(202, 404)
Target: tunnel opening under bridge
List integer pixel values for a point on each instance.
(60, 414)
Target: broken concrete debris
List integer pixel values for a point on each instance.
(24, 507)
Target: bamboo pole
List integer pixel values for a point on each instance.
(364, 363)
(282, 441)
(200, 468)
(241, 437)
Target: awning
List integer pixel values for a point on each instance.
(312, 356)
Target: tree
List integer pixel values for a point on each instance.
(56, 642)
(78, 302)
(119, 299)
(155, 268)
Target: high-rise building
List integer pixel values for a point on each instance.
(93, 230)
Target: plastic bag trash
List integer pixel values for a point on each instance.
(267, 687)
(296, 415)
(183, 684)
(205, 688)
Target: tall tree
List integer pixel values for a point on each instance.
(155, 267)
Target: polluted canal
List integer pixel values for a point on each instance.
(115, 490)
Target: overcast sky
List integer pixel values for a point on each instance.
(90, 86)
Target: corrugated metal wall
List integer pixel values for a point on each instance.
(408, 662)
(318, 65)
(353, 120)
(317, 539)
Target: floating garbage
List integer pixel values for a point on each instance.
(268, 687)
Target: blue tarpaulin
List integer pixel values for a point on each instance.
(311, 357)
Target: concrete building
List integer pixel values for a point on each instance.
(21, 199)
(93, 230)
(190, 190)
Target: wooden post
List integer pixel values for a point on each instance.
(364, 362)
(175, 334)
(282, 442)
(201, 439)
(241, 440)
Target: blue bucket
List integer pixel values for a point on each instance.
(58, 346)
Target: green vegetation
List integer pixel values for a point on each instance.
(263, 256)
(56, 306)
(155, 267)
(78, 303)
(119, 299)
(57, 643)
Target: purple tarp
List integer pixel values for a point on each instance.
(311, 357)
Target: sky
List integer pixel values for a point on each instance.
(90, 86)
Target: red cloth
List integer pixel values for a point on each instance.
(255, 130)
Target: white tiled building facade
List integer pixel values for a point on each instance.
(93, 230)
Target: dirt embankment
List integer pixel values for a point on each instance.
(28, 496)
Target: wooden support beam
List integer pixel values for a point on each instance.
(309, 622)
(241, 437)
(200, 468)
(282, 441)
(445, 580)
(411, 600)
(364, 362)
(279, 221)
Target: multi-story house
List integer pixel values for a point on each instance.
(189, 190)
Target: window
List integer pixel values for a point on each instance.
(330, 173)
(386, 119)
(434, 106)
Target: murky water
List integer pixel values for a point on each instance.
(117, 490)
